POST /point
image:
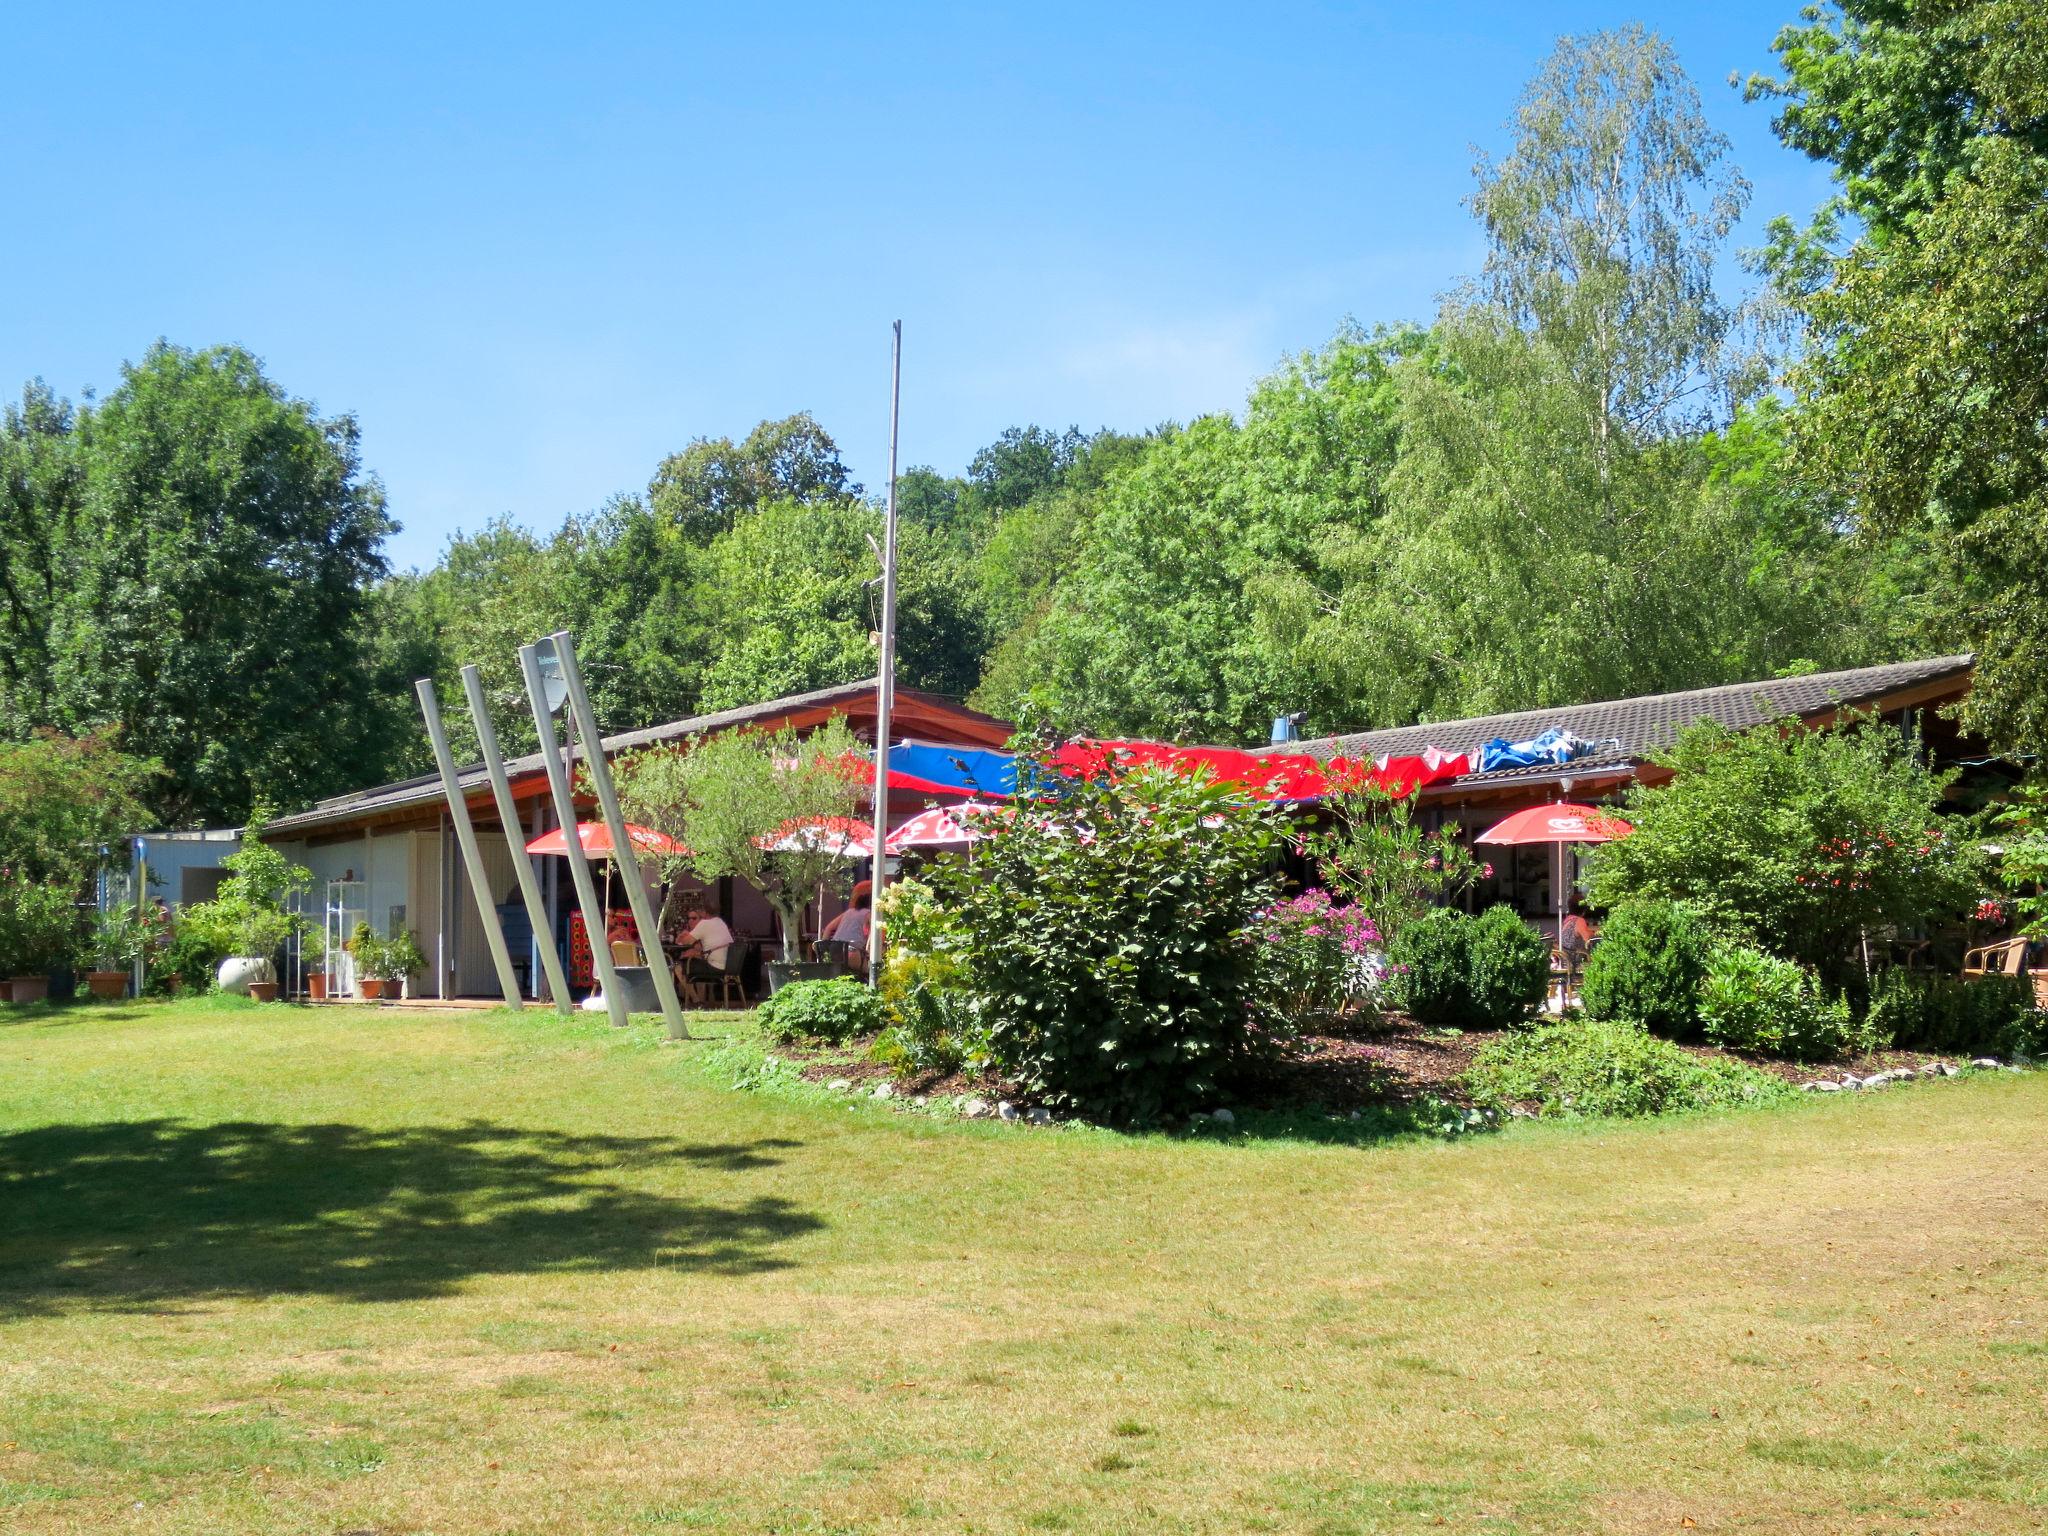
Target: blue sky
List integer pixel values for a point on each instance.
(533, 248)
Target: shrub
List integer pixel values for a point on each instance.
(1319, 956)
(1751, 1001)
(190, 959)
(39, 925)
(1481, 972)
(1591, 1067)
(1978, 1016)
(828, 1011)
(1796, 841)
(932, 1027)
(1109, 939)
(1648, 966)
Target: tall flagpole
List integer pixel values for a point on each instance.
(885, 680)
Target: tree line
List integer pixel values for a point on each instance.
(1590, 474)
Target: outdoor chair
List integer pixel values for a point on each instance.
(727, 979)
(839, 952)
(2007, 958)
(624, 952)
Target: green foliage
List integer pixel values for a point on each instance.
(40, 924)
(68, 805)
(1322, 958)
(386, 959)
(831, 1012)
(248, 917)
(190, 960)
(122, 934)
(1109, 941)
(2021, 827)
(1584, 1068)
(1485, 972)
(1372, 853)
(1973, 1016)
(1648, 966)
(728, 797)
(707, 488)
(216, 540)
(1924, 391)
(1751, 1001)
(1796, 841)
(932, 1023)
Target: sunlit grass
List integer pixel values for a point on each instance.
(272, 1270)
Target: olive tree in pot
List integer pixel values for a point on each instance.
(248, 919)
(120, 937)
(770, 808)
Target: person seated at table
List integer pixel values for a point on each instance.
(851, 926)
(706, 938)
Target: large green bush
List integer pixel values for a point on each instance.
(1796, 841)
(1108, 937)
(828, 1011)
(1974, 1016)
(1484, 972)
(1751, 1001)
(1591, 1067)
(1648, 966)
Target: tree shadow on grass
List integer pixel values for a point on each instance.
(151, 1212)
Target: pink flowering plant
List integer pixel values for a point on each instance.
(1372, 852)
(1323, 958)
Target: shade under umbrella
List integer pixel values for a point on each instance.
(595, 838)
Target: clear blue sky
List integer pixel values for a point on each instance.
(533, 248)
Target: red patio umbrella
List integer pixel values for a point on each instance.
(1560, 823)
(596, 840)
(840, 835)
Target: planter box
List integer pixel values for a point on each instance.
(107, 986)
(29, 989)
(782, 972)
(316, 986)
(372, 988)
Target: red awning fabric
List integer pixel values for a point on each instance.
(1559, 823)
(596, 840)
(1275, 776)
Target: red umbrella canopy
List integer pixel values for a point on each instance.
(596, 839)
(1560, 823)
(839, 835)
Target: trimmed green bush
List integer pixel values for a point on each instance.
(1648, 966)
(1978, 1016)
(1584, 1068)
(1751, 1001)
(827, 1011)
(1484, 972)
(932, 1027)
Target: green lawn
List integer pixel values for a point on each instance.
(280, 1271)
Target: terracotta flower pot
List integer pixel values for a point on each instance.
(371, 988)
(316, 986)
(263, 991)
(107, 986)
(29, 989)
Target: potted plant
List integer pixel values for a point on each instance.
(384, 964)
(38, 929)
(313, 955)
(120, 935)
(368, 951)
(248, 919)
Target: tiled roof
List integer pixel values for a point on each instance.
(1641, 725)
(426, 788)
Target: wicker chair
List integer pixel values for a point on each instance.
(2007, 958)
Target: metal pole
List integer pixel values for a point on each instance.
(623, 854)
(579, 862)
(508, 817)
(472, 855)
(885, 681)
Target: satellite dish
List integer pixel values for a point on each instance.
(553, 686)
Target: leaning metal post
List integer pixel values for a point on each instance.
(572, 842)
(508, 815)
(644, 916)
(465, 834)
(885, 679)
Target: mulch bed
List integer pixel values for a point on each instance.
(1396, 1062)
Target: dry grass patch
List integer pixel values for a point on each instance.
(278, 1271)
